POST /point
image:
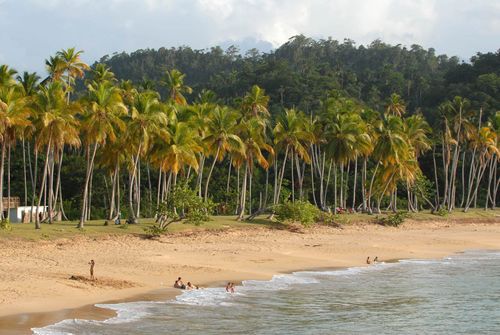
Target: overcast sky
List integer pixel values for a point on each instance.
(32, 30)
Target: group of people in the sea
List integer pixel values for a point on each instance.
(375, 260)
(189, 286)
(180, 285)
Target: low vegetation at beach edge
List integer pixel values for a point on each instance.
(102, 228)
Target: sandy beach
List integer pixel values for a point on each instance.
(35, 276)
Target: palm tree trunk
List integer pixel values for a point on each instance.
(85, 196)
(131, 184)
(199, 181)
(334, 189)
(2, 163)
(243, 194)
(160, 184)
(354, 184)
(37, 219)
(211, 170)
(8, 182)
(363, 183)
(264, 205)
(293, 179)
(435, 177)
(113, 194)
(35, 182)
(371, 189)
(280, 177)
(25, 175)
(250, 192)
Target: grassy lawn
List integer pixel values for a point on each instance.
(97, 228)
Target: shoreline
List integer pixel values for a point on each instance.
(212, 258)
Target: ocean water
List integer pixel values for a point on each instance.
(455, 295)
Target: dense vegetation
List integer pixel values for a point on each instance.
(343, 127)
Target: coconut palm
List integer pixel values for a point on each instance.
(174, 82)
(14, 116)
(253, 134)
(221, 137)
(57, 126)
(396, 106)
(293, 136)
(146, 120)
(72, 66)
(101, 121)
(255, 103)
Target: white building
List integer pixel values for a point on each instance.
(22, 213)
(18, 213)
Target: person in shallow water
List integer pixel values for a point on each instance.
(191, 286)
(179, 284)
(375, 260)
(368, 261)
(230, 287)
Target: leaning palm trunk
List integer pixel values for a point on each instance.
(42, 187)
(354, 184)
(243, 194)
(2, 163)
(85, 197)
(479, 177)
(370, 210)
(211, 170)
(131, 184)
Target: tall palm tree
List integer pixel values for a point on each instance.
(255, 103)
(174, 82)
(72, 66)
(146, 120)
(14, 116)
(101, 121)
(177, 148)
(396, 106)
(221, 137)
(252, 133)
(57, 126)
(292, 135)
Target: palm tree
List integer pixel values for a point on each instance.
(146, 120)
(255, 103)
(174, 82)
(252, 133)
(396, 106)
(177, 148)
(101, 121)
(72, 66)
(7, 76)
(14, 117)
(56, 125)
(292, 135)
(221, 137)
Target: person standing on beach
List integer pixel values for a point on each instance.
(92, 263)
(368, 261)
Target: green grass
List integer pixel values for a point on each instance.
(96, 228)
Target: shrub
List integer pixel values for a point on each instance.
(393, 220)
(5, 225)
(299, 211)
(441, 212)
(182, 204)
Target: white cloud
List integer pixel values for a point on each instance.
(103, 26)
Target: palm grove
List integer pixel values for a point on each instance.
(123, 146)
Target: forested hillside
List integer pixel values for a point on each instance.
(338, 125)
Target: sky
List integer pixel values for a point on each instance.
(33, 30)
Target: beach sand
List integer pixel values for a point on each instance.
(36, 289)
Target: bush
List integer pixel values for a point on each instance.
(441, 212)
(299, 211)
(5, 225)
(393, 220)
(183, 204)
(155, 231)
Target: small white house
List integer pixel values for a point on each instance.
(21, 214)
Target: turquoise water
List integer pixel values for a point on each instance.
(455, 295)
